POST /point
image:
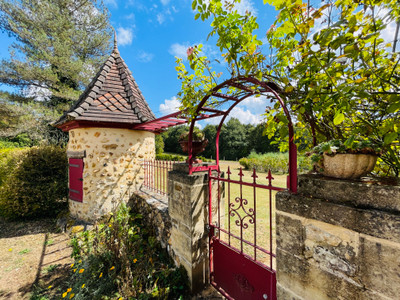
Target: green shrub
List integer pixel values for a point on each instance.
(170, 157)
(8, 160)
(120, 257)
(276, 162)
(37, 183)
(175, 157)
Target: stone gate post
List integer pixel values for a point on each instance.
(188, 209)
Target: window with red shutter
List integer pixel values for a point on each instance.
(76, 179)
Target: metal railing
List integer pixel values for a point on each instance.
(156, 175)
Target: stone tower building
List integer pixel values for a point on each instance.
(104, 149)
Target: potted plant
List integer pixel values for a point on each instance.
(348, 161)
(199, 143)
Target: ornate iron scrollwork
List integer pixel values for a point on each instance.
(241, 221)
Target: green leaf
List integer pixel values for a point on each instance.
(388, 139)
(339, 118)
(394, 107)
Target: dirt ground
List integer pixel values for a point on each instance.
(33, 256)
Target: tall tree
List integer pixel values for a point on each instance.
(210, 132)
(59, 44)
(171, 139)
(259, 142)
(27, 122)
(234, 140)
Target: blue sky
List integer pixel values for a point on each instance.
(152, 32)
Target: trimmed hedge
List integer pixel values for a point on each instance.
(276, 162)
(175, 157)
(36, 183)
(8, 160)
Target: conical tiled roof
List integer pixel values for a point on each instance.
(112, 97)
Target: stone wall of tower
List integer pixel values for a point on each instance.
(112, 170)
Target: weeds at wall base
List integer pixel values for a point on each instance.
(121, 258)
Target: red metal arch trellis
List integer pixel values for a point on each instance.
(248, 86)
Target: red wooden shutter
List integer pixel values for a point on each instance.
(75, 179)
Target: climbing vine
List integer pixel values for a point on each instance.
(331, 61)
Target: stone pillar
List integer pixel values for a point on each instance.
(339, 239)
(188, 209)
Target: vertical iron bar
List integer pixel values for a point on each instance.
(157, 171)
(211, 232)
(254, 212)
(219, 207)
(159, 176)
(241, 203)
(270, 217)
(144, 173)
(164, 176)
(229, 205)
(153, 176)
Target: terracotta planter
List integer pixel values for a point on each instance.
(197, 146)
(348, 166)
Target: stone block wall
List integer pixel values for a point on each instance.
(338, 239)
(154, 209)
(112, 167)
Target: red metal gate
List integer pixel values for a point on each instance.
(242, 255)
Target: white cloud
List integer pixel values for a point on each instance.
(145, 57)
(246, 5)
(245, 116)
(255, 104)
(124, 36)
(165, 2)
(179, 50)
(160, 18)
(169, 106)
(241, 7)
(38, 93)
(112, 3)
(130, 17)
(388, 33)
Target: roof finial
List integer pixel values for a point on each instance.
(115, 40)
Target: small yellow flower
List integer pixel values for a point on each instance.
(72, 265)
(101, 275)
(75, 270)
(134, 261)
(65, 294)
(120, 298)
(80, 261)
(72, 296)
(112, 268)
(69, 290)
(50, 286)
(109, 225)
(83, 285)
(81, 270)
(10, 249)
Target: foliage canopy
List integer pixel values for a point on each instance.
(58, 44)
(333, 68)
